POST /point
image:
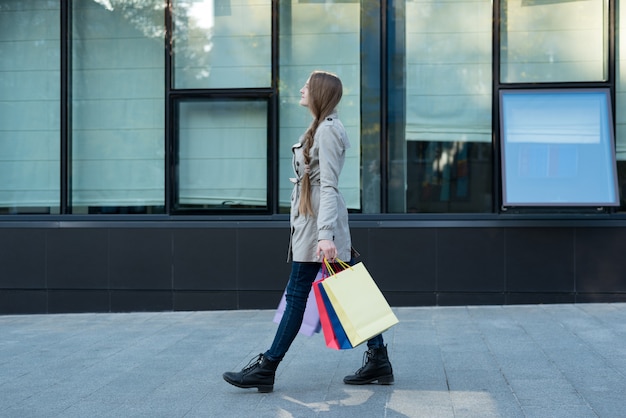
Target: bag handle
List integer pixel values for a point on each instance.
(325, 272)
(341, 263)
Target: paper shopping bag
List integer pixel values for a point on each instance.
(334, 334)
(358, 302)
(311, 321)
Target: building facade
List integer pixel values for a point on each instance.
(145, 149)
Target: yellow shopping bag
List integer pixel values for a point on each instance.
(361, 307)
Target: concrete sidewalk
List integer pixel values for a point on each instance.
(496, 361)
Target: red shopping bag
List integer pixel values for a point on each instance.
(360, 306)
(334, 334)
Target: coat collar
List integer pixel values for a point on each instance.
(332, 116)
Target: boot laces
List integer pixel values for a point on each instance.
(253, 363)
(366, 358)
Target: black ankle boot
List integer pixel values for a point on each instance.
(259, 373)
(376, 367)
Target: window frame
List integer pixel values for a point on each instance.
(498, 85)
(606, 139)
(239, 96)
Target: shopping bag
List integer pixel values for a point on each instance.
(334, 334)
(311, 321)
(359, 304)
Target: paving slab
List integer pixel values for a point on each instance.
(466, 361)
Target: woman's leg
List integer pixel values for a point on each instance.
(376, 342)
(298, 288)
(376, 365)
(261, 371)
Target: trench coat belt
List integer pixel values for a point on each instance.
(296, 183)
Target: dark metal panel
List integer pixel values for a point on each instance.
(469, 298)
(470, 260)
(262, 259)
(22, 258)
(423, 220)
(141, 300)
(402, 259)
(205, 300)
(540, 260)
(403, 298)
(601, 298)
(258, 299)
(14, 302)
(204, 259)
(531, 298)
(360, 237)
(422, 266)
(600, 260)
(77, 259)
(78, 301)
(140, 258)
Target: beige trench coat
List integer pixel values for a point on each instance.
(327, 156)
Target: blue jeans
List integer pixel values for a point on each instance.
(298, 288)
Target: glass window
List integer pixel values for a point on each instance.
(553, 41)
(222, 43)
(319, 35)
(222, 155)
(440, 129)
(557, 148)
(29, 107)
(117, 107)
(620, 100)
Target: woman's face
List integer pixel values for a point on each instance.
(304, 95)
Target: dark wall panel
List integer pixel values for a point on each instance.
(204, 258)
(23, 301)
(140, 258)
(399, 298)
(204, 300)
(600, 260)
(402, 258)
(470, 260)
(262, 258)
(141, 300)
(22, 258)
(540, 260)
(210, 266)
(78, 301)
(469, 298)
(601, 298)
(530, 298)
(78, 258)
(360, 242)
(258, 300)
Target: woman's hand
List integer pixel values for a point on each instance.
(326, 248)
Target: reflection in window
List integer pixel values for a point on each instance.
(553, 41)
(441, 161)
(29, 107)
(319, 36)
(117, 107)
(557, 148)
(222, 155)
(222, 43)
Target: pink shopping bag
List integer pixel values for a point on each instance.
(311, 322)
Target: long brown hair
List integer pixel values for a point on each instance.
(325, 91)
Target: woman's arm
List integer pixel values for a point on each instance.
(331, 159)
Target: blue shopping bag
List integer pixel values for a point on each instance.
(340, 335)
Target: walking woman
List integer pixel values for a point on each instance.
(319, 228)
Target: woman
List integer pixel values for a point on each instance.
(319, 228)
